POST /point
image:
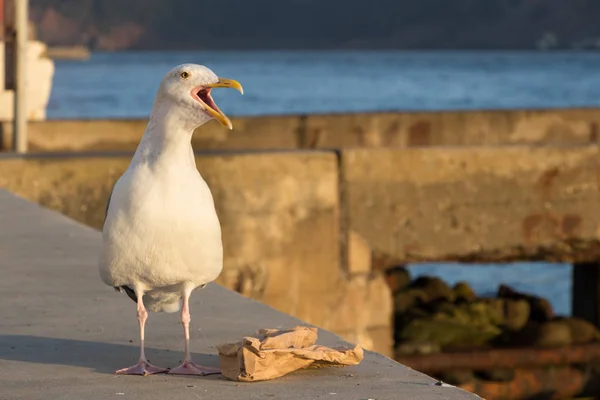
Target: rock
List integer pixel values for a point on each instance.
(434, 287)
(409, 298)
(410, 348)
(440, 306)
(553, 333)
(447, 331)
(540, 309)
(497, 375)
(548, 334)
(581, 330)
(397, 278)
(494, 309)
(458, 377)
(460, 319)
(516, 314)
(524, 337)
(463, 292)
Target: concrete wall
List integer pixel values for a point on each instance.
(475, 203)
(281, 227)
(373, 130)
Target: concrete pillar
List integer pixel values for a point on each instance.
(586, 292)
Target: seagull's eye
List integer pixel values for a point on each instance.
(184, 75)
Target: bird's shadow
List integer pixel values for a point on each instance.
(101, 357)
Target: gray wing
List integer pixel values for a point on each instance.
(130, 293)
(108, 202)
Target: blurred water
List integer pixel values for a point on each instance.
(123, 85)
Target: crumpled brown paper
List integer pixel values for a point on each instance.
(273, 353)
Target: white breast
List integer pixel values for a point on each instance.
(161, 231)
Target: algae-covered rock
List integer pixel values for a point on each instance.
(397, 278)
(440, 306)
(410, 348)
(540, 309)
(434, 287)
(463, 292)
(546, 334)
(479, 313)
(454, 325)
(494, 308)
(409, 298)
(516, 314)
(581, 330)
(553, 333)
(445, 331)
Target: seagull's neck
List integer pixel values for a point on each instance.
(167, 140)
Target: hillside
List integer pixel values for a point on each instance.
(291, 24)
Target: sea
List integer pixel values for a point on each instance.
(123, 85)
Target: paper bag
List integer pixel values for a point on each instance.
(273, 353)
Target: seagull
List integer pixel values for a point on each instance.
(162, 237)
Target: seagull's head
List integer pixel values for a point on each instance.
(188, 87)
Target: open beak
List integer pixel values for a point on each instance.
(202, 94)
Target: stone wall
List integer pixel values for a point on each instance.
(372, 130)
(281, 227)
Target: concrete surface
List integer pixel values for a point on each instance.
(372, 130)
(63, 333)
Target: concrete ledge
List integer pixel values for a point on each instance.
(124, 135)
(453, 128)
(64, 332)
(475, 204)
(373, 130)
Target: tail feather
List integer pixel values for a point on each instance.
(129, 291)
(165, 302)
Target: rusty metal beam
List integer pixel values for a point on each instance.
(548, 383)
(481, 360)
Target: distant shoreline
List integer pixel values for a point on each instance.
(68, 53)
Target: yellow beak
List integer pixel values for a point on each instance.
(215, 112)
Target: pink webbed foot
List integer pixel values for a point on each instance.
(143, 368)
(190, 368)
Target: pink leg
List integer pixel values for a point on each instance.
(143, 367)
(188, 367)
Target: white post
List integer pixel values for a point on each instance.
(20, 105)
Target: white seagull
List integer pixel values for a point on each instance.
(161, 236)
